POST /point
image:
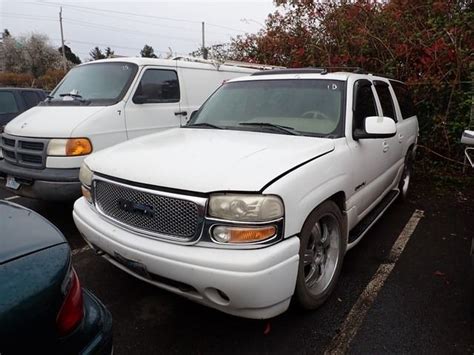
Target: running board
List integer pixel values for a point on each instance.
(363, 226)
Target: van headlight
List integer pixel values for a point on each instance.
(85, 177)
(69, 147)
(246, 207)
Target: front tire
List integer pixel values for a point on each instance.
(322, 248)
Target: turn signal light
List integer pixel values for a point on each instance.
(86, 193)
(224, 234)
(78, 146)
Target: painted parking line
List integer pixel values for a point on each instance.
(80, 250)
(341, 342)
(11, 198)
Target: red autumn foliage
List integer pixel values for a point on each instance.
(426, 43)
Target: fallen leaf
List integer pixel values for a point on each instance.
(267, 329)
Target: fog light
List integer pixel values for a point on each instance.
(224, 234)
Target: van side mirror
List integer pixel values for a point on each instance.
(376, 127)
(139, 99)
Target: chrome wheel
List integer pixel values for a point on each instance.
(321, 254)
(406, 180)
(404, 184)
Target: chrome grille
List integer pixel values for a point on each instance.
(23, 151)
(165, 216)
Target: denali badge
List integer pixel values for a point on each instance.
(134, 207)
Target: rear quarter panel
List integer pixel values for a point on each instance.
(30, 289)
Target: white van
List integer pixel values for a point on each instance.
(97, 105)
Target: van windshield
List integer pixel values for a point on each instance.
(94, 84)
(300, 106)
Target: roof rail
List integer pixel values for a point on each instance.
(311, 70)
(233, 63)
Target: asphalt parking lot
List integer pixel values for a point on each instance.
(421, 305)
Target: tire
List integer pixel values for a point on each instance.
(322, 247)
(407, 175)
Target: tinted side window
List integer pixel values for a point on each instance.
(158, 86)
(386, 101)
(404, 99)
(7, 102)
(30, 98)
(365, 106)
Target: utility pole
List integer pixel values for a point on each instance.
(62, 37)
(204, 50)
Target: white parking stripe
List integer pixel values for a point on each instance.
(340, 343)
(80, 250)
(11, 198)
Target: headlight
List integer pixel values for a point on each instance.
(85, 175)
(69, 147)
(246, 208)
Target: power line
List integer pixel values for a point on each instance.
(50, 3)
(118, 29)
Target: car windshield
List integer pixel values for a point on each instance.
(96, 84)
(302, 106)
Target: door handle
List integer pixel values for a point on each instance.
(181, 113)
(400, 138)
(385, 146)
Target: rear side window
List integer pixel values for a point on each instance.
(386, 100)
(30, 98)
(157, 86)
(7, 102)
(365, 106)
(404, 99)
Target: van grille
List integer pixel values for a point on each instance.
(26, 152)
(166, 217)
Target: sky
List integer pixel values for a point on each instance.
(126, 26)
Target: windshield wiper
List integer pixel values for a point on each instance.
(76, 97)
(203, 124)
(277, 127)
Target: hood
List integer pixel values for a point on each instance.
(24, 232)
(207, 160)
(50, 121)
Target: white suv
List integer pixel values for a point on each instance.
(259, 197)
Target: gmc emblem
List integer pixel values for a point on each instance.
(136, 208)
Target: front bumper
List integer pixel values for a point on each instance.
(256, 283)
(43, 184)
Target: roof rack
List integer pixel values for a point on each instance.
(311, 70)
(233, 63)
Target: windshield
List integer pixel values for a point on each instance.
(99, 84)
(306, 106)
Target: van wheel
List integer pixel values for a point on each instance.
(407, 174)
(322, 248)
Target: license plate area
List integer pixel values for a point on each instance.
(135, 266)
(12, 183)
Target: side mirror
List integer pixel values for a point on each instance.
(139, 99)
(376, 127)
(467, 137)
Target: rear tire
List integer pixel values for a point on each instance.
(323, 244)
(405, 180)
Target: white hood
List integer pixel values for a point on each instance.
(207, 160)
(50, 121)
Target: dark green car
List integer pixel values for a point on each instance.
(42, 305)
